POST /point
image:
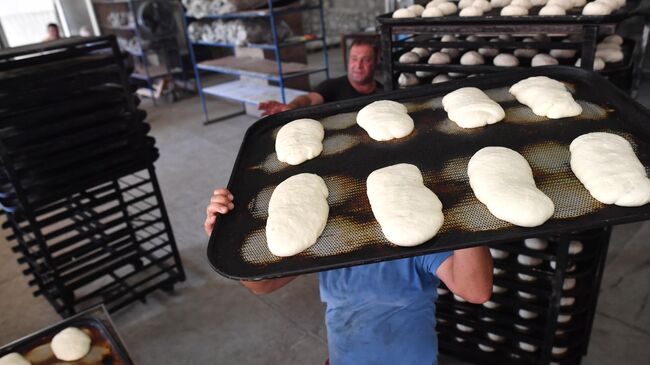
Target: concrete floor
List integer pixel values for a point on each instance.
(213, 320)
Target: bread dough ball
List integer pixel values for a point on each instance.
(538, 2)
(596, 9)
(422, 52)
(14, 358)
(298, 212)
(552, 10)
(500, 3)
(470, 107)
(71, 344)
(439, 58)
(564, 4)
(526, 52)
(575, 247)
(385, 120)
(599, 64)
(563, 53)
(462, 4)
(440, 78)
(407, 79)
(416, 9)
(471, 11)
(527, 347)
(546, 97)
(604, 45)
(452, 52)
(434, 3)
(472, 58)
(610, 55)
(448, 38)
(496, 338)
(489, 51)
(525, 277)
(464, 328)
(569, 284)
(524, 313)
(536, 244)
(473, 38)
(614, 38)
(432, 13)
(505, 60)
(605, 163)
(513, 10)
(529, 260)
(482, 4)
(543, 59)
(505, 38)
(502, 179)
(299, 141)
(409, 57)
(424, 74)
(407, 211)
(403, 13)
(526, 4)
(448, 8)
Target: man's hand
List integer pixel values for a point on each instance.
(272, 107)
(220, 203)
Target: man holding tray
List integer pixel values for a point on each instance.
(359, 81)
(384, 313)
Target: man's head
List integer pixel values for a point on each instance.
(361, 65)
(53, 31)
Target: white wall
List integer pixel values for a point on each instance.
(26, 21)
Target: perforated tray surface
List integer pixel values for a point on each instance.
(441, 150)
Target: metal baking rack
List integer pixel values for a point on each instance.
(77, 181)
(563, 309)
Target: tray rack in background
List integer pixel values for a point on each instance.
(77, 181)
(560, 330)
(398, 35)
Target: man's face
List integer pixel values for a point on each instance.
(53, 32)
(361, 66)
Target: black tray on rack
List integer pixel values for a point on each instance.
(631, 8)
(96, 320)
(441, 150)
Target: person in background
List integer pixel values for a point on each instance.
(359, 81)
(52, 33)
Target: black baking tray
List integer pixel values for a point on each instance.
(96, 319)
(237, 247)
(631, 8)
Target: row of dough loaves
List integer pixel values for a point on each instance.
(471, 8)
(410, 214)
(70, 344)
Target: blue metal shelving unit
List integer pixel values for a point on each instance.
(272, 13)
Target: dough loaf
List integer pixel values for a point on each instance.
(408, 212)
(606, 165)
(502, 180)
(14, 358)
(71, 344)
(298, 214)
(299, 141)
(470, 107)
(385, 120)
(546, 97)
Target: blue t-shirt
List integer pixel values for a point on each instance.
(383, 313)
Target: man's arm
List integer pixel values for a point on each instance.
(271, 106)
(468, 274)
(221, 202)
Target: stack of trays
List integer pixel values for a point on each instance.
(542, 304)
(77, 180)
